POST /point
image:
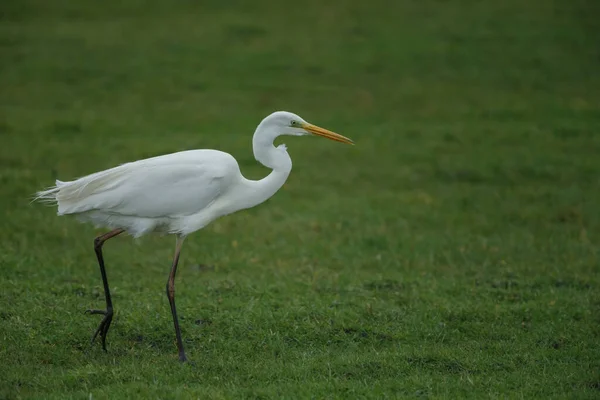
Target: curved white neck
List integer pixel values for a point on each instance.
(267, 154)
(276, 158)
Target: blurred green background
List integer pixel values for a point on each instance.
(452, 253)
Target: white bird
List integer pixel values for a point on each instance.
(177, 193)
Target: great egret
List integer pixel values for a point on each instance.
(177, 193)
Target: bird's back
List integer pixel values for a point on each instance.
(148, 193)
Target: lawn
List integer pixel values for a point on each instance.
(452, 253)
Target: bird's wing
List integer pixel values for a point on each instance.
(174, 185)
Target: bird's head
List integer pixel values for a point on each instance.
(284, 123)
(287, 123)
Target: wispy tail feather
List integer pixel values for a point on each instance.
(48, 195)
(74, 196)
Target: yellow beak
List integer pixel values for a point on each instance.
(316, 130)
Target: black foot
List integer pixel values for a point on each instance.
(104, 325)
(182, 357)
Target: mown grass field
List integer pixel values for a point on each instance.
(452, 253)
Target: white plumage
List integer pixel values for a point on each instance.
(177, 193)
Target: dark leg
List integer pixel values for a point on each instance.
(171, 296)
(108, 313)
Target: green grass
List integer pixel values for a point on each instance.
(452, 253)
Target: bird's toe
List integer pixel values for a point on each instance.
(103, 327)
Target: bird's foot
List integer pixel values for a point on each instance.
(104, 325)
(182, 357)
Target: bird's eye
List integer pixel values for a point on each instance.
(294, 123)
